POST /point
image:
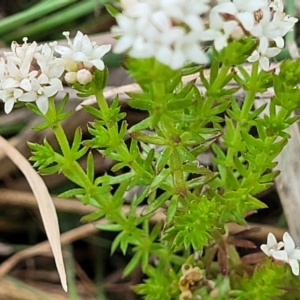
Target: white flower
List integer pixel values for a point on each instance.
(30, 73)
(183, 50)
(285, 23)
(169, 30)
(271, 245)
(41, 89)
(50, 65)
(263, 53)
(220, 30)
(82, 50)
(290, 254)
(240, 10)
(9, 97)
(21, 52)
(16, 81)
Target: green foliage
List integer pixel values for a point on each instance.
(161, 284)
(264, 284)
(161, 161)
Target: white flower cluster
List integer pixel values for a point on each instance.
(172, 30)
(32, 72)
(80, 57)
(169, 30)
(264, 20)
(290, 254)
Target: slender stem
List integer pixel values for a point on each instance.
(247, 105)
(217, 84)
(102, 102)
(72, 170)
(113, 133)
(62, 139)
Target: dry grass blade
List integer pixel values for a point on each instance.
(45, 204)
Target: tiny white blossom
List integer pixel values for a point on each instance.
(82, 50)
(263, 53)
(9, 97)
(21, 52)
(271, 245)
(220, 30)
(49, 64)
(264, 20)
(41, 89)
(30, 73)
(169, 30)
(16, 82)
(290, 254)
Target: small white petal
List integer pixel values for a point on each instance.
(63, 50)
(271, 52)
(289, 244)
(10, 83)
(98, 63)
(271, 240)
(8, 105)
(87, 46)
(25, 84)
(102, 50)
(28, 97)
(294, 266)
(49, 91)
(17, 93)
(220, 42)
(264, 248)
(279, 42)
(247, 20)
(295, 254)
(254, 56)
(264, 63)
(123, 44)
(280, 255)
(79, 56)
(42, 104)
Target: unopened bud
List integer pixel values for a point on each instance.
(71, 77)
(70, 65)
(84, 76)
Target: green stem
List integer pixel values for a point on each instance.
(62, 140)
(114, 135)
(72, 170)
(218, 83)
(247, 105)
(102, 103)
(283, 114)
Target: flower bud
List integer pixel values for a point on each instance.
(70, 65)
(84, 76)
(71, 77)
